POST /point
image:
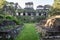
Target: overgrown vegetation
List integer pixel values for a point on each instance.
(29, 19)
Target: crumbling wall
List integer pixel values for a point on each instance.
(53, 22)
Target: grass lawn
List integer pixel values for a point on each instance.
(28, 32)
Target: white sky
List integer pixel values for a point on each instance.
(36, 2)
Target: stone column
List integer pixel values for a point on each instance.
(31, 14)
(32, 17)
(42, 14)
(17, 14)
(26, 14)
(37, 14)
(21, 14)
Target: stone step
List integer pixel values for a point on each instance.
(52, 37)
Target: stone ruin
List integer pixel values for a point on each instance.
(53, 22)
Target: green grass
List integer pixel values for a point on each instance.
(28, 33)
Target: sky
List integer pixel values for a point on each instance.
(36, 2)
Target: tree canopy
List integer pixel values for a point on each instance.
(2, 2)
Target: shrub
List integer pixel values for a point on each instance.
(14, 19)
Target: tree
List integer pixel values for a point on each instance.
(54, 11)
(2, 2)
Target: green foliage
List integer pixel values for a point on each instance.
(9, 17)
(13, 19)
(28, 19)
(54, 11)
(1, 16)
(2, 2)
